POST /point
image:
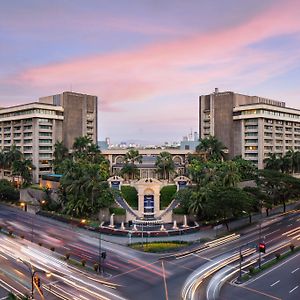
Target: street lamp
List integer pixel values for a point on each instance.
(100, 246)
(33, 272)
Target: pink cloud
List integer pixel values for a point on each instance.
(163, 68)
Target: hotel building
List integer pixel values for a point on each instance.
(35, 127)
(250, 126)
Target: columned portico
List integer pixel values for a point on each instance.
(148, 197)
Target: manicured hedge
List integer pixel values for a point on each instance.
(180, 211)
(118, 211)
(167, 194)
(129, 193)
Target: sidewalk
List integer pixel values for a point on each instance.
(201, 234)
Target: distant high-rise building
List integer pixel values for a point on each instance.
(250, 126)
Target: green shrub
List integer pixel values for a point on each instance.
(157, 247)
(277, 255)
(179, 211)
(83, 262)
(292, 247)
(8, 192)
(96, 267)
(118, 211)
(251, 270)
(67, 256)
(167, 194)
(129, 193)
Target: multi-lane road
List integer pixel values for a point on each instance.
(135, 275)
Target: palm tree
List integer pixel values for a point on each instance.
(12, 155)
(296, 162)
(91, 180)
(130, 170)
(165, 164)
(213, 148)
(231, 175)
(198, 200)
(60, 153)
(272, 162)
(23, 168)
(3, 162)
(133, 156)
(81, 143)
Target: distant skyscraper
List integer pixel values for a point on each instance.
(249, 126)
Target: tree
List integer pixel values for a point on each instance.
(247, 170)
(165, 164)
(3, 162)
(60, 153)
(272, 162)
(198, 201)
(23, 168)
(279, 186)
(133, 156)
(230, 174)
(129, 170)
(12, 155)
(8, 192)
(228, 202)
(213, 148)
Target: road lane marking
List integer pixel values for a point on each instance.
(275, 283)
(165, 281)
(259, 292)
(274, 268)
(293, 289)
(206, 258)
(273, 232)
(295, 271)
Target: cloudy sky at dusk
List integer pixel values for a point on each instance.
(149, 60)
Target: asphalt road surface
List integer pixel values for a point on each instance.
(280, 282)
(141, 276)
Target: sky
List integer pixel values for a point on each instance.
(149, 60)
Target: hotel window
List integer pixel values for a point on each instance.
(251, 148)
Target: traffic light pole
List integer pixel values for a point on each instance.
(259, 241)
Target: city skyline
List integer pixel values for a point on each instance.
(149, 61)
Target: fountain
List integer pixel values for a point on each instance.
(122, 226)
(185, 225)
(111, 225)
(162, 228)
(175, 227)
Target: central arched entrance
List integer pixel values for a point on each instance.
(148, 204)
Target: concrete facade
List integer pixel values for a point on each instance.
(80, 115)
(147, 168)
(249, 126)
(35, 127)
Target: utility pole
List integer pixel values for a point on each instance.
(100, 252)
(259, 241)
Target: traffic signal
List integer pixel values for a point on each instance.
(103, 254)
(262, 247)
(37, 281)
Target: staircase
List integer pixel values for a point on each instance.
(122, 203)
(169, 209)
